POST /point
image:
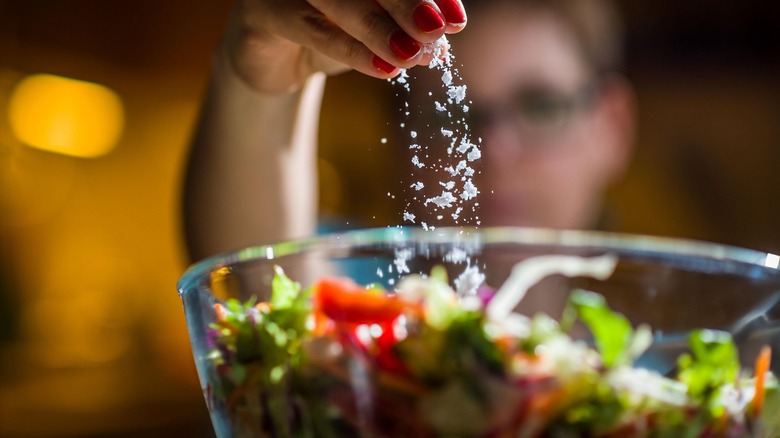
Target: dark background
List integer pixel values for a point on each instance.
(91, 330)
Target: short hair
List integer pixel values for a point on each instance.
(595, 24)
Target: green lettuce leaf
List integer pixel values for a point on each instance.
(611, 331)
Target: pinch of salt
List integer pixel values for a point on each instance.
(413, 134)
(415, 146)
(409, 217)
(418, 186)
(449, 185)
(416, 162)
(440, 107)
(446, 132)
(474, 154)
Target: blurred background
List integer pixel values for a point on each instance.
(92, 334)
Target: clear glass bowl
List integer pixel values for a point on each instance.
(673, 285)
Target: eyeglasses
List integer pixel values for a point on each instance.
(537, 112)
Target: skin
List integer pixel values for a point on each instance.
(251, 178)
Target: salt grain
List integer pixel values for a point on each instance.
(445, 200)
(469, 191)
(457, 94)
(446, 78)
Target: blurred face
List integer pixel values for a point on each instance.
(549, 143)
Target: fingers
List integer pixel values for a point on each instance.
(394, 30)
(427, 20)
(320, 39)
(375, 37)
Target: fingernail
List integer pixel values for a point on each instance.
(427, 18)
(404, 46)
(382, 65)
(452, 11)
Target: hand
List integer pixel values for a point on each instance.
(274, 45)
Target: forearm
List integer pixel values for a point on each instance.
(252, 175)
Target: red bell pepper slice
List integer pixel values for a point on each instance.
(343, 300)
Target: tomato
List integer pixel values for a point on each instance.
(343, 300)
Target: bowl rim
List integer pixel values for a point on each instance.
(577, 239)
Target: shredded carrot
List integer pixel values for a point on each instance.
(220, 309)
(762, 367)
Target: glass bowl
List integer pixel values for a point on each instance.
(674, 286)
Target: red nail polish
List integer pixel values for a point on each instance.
(382, 65)
(404, 46)
(452, 11)
(427, 18)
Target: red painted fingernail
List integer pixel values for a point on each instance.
(382, 65)
(452, 11)
(404, 46)
(427, 18)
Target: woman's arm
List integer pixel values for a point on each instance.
(252, 176)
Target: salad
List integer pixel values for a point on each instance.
(338, 359)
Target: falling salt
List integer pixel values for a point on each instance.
(457, 93)
(469, 191)
(446, 199)
(446, 78)
(464, 146)
(453, 136)
(456, 215)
